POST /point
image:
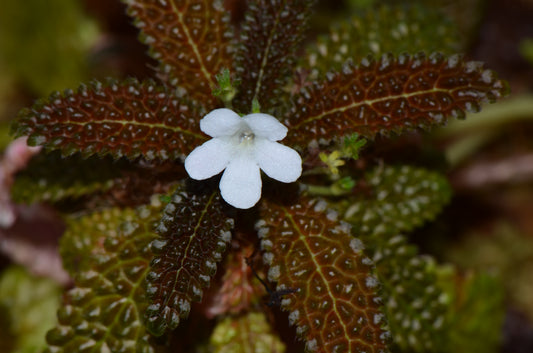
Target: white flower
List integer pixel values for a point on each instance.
(242, 146)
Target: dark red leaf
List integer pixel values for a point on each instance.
(190, 38)
(271, 33)
(126, 119)
(328, 283)
(193, 235)
(390, 95)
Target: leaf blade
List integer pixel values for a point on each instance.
(271, 34)
(126, 119)
(70, 178)
(104, 311)
(398, 200)
(193, 235)
(385, 29)
(390, 95)
(333, 299)
(415, 303)
(189, 38)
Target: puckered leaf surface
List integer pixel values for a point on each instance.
(84, 238)
(390, 95)
(69, 178)
(127, 119)
(399, 199)
(330, 290)
(104, 311)
(193, 232)
(270, 35)
(415, 304)
(386, 29)
(250, 332)
(190, 39)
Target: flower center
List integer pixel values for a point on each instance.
(246, 136)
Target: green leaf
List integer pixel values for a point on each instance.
(467, 15)
(415, 305)
(270, 36)
(27, 307)
(84, 238)
(329, 286)
(104, 311)
(190, 39)
(128, 119)
(225, 89)
(250, 332)
(194, 232)
(352, 146)
(386, 29)
(392, 94)
(51, 178)
(399, 199)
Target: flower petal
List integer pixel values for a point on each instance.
(240, 185)
(221, 122)
(208, 159)
(277, 161)
(266, 126)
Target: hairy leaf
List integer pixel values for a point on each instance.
(84, 238)
(414, 303)
(127, 119)
(139, 182)
(250, 332)
(271, 33)
(193, 233)
(390, 95)
(399, 200)
(51, 178)
(466, 15)
(104, 311)
(328, 283)
(190, 39)
(386, 29)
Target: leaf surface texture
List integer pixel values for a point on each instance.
(331, 292)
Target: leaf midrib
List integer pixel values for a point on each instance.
(188, 247)
(136, 123)
(265, 54)
(302, 237)
(368, 102)
(194, 47)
